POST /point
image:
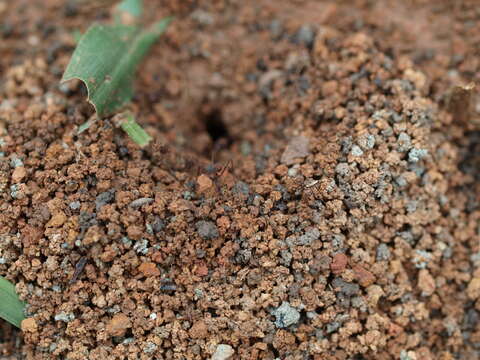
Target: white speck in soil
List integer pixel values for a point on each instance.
(141, 247)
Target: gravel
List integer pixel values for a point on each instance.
(140, 202)
(223, 352)
(285, 315)
(356, 151)
(207, 230)
(383, 252)
(104, 198)
(305, 35)
(349, 289)
(416, 155)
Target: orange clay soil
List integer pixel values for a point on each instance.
(338, 219)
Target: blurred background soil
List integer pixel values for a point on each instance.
(307, 194)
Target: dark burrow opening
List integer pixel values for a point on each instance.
(216, 128)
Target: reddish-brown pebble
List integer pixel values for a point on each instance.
(394, 329)
(149, 269)
(204, 183)
(199, 330)
(365, 278)
(57, 220)
(473, 289)
(118, 325)
(426, 282)
(201, 270)
(29, 325)
(339, 263)
(18, 174)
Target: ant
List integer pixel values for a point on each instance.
(213, 170)
(78, 269)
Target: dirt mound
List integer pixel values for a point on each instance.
(340, 219)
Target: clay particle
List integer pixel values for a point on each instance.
(339, 263)
(118, 325)
(149, 269)
(473, 289)
(365, 278)
(19, 174)
(29, 325)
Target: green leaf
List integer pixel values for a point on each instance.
(133, 7)
(106, 59)
(135, 131)
(11, 308)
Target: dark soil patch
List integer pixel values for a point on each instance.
(338, 219)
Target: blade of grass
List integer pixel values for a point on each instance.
(105, 60)
(135, 131)
(11, 308)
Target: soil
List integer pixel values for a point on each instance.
(307, 194)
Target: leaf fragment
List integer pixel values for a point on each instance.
(105, 60)
(11, 307)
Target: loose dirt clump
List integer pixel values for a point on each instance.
(338, 218)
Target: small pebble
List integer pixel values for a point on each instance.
(416, 155)
(223, 352)
(140, 202)
(356, 151)
(118, 325)
(285, 315)
(65, 317)
(74, 205)
(207, 230)
(29, 325)
(383, 252)
(305, 35)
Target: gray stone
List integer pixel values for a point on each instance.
(140, 202)
(286, 257)
(74, 205)
(416, 155)
(383, 252)
(104, 198)
(310, 236)
(356, 151)
(16, 162)
(276, 28)
(158, 225)
(367, 141)
(333, 326)
(285, 315)
(349, 289)
(207, 230)
(150, 348)
(404, 142)
(65, 317)
(305, 35)
(141, 247)
(241, 188)
(342, 169)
